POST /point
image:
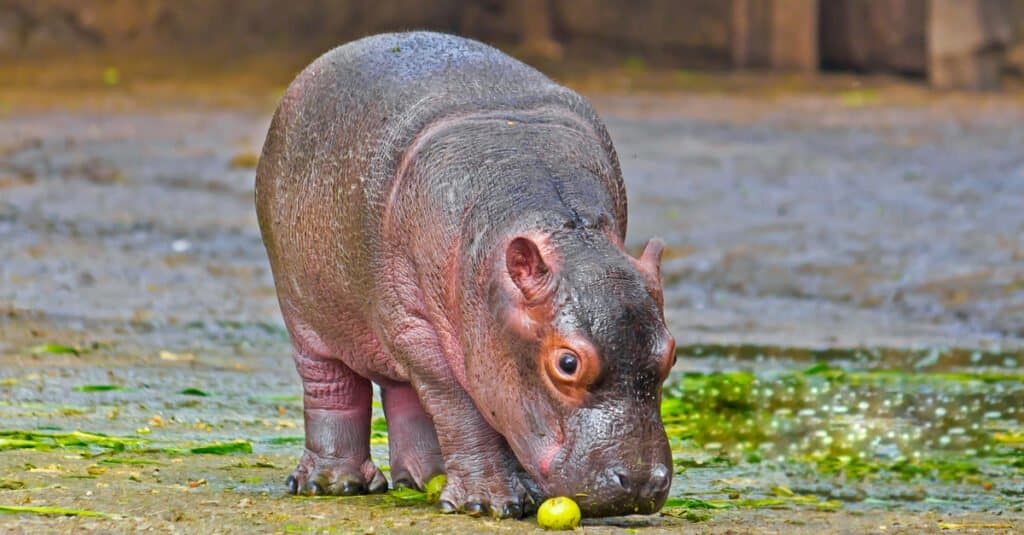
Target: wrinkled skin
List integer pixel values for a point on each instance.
(448, 223)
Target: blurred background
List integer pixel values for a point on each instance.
(840, 184)
(950, 43)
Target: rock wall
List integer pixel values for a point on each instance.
(778, 34)
(861, 35)
(690, 32)
(46, 26)
(871, 35)
(968, 42)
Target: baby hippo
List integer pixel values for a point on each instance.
(448, 223)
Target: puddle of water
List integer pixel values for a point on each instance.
(929, 429)
(751, 427)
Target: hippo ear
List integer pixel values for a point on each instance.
(528, 270)
(650, 265)
(650, 260)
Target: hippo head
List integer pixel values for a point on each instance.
(571, 371)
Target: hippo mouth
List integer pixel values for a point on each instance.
(601, 487)
(612, 492)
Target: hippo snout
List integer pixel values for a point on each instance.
(619, 490)
(611, 462)
(653, 486)
(644, 485)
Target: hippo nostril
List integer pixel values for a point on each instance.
(660, 479)
(616, 476)
(619, 476)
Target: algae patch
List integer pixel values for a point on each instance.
(98, 388)
(194, 392)
(42, 440)
(53, 511)
(847, 425)
(224, 448)
(57, 349)
(99, 443)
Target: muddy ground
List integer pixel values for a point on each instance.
(837, 213)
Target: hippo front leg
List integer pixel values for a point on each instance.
(412, 440)
(337, 405)
(484, 476)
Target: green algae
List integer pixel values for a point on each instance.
(378, 431)
(224, 448)
(285, 440)
(43, 440)
(954, 468)
(100, 443)
(52, 511)
(903, 377)
(754, 352)
(55, 349)
(400, 497)
(693, 503)
(434, 487)
(849, 422)
(407, 495)
(763, 419)
(98, 388)
(194, 392)
(696, 510)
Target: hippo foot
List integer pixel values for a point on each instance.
(477, 496)
(319, 475)
(415, 472)
(412, 439)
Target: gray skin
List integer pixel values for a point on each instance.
(448, 223)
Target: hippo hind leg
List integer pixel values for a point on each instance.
(412, 439)
(337, 405)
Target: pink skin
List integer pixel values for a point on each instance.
(544, 462)
(337, 405)
(337, 414)
(533, 266)
(421, 197)
(412, 440)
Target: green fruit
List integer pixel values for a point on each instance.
(434, 487)
(558, 513)
(111, 76)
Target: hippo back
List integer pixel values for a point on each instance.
(344, 124)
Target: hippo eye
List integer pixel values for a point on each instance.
(572, 372)
(568, 363)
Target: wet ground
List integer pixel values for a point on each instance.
(845, 277)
